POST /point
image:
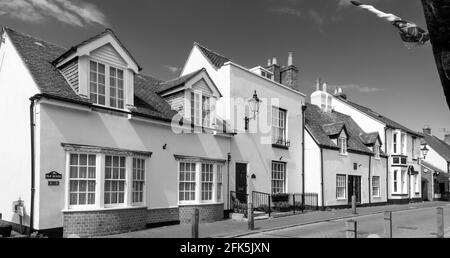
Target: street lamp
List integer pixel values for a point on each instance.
(254, 104)
(424, 150)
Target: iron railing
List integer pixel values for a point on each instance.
(261, 202)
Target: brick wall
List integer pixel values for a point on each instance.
(104, 222)
(155, 216)
(208, 213)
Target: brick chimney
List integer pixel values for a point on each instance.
(289, 74)
(447, 138)
(275, 69)
(427, 130)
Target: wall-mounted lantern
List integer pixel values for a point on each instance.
(254, 104)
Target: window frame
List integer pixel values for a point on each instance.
(142, 169)
(100, 159)
(107, 75)
(280, 127)
(377, 193)
(195, 182)
(395, 180)
(342, 144)
(283, 180)
(377, 151)
(344, 178)
(69, 179)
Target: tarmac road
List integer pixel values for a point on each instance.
(412, 223)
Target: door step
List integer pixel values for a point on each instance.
(257, 215)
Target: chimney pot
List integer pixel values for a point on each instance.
(340, 90)
(324, 86)
(447, 138)
(290, 59)
(274, 61)
(269, 62)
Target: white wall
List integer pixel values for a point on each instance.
(63, 125)
(17, 86)
(435, 159)
(313, 167)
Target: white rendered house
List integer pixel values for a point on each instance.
(93, 147)
(401, 144)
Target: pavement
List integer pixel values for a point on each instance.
(232, 228)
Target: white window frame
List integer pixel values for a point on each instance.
(377, 150)
(198, 187)
(195, 181)
(69, 179)
(376, 187)
(100, 182)
(207, 182)
(279, 177)
(279, 124)
(395, 180)
(342, 143)
(219, 183)
(416, 184)
(108, 67)
(117, 180)
(395, 141)
(138, 178)
(339, 178)
(117, 90)
(404, 181)
(403, 143)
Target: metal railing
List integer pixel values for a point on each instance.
(261, 202)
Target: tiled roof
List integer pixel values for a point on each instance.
(430, 166)
(438, 145)
(216, 59)
(107, 31)
(316, 119)
(333, 129)
(38, 55)
(369, 138)
(378, 117)
(180, 81)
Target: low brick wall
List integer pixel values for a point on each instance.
(104, 222)
(208, 213)
(161, 216)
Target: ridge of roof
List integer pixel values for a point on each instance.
(389, 122)
(218, 60)
(179, 81)
(438, 145)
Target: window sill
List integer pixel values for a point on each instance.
(199, 203)
(397, 194)
(102, 209)
(280, 146)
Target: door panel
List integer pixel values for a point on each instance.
(241, 182)
(354, 188)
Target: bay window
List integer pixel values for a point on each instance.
(200, 181)
(106, 85)
(340, 187)
(278, 177)
(98, 177)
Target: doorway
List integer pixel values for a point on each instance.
(241, 182)
(354, 188)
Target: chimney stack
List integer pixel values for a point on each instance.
(274, 61)
(269, 62)
(340, 93)
(275, 69)
(427, 130)
(447, 139)
(289, 73)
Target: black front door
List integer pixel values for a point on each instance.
(354, 188)
(241, 182)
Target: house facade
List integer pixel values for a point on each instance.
(343, 160)
(110, 150)
(436, 167)
(401, 144)
(267, 143)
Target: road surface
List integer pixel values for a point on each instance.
(413, 223)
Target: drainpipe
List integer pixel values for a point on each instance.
(370, 169)
(32, 134)
(387, 164)
(303, 153)
(228, 178)
(321, 178)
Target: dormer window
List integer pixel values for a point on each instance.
(376, 150)
(101, 75)
(201, 109)
(342, 143)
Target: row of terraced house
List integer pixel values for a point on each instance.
(91, 146)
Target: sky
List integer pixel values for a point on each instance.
(331, 39)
